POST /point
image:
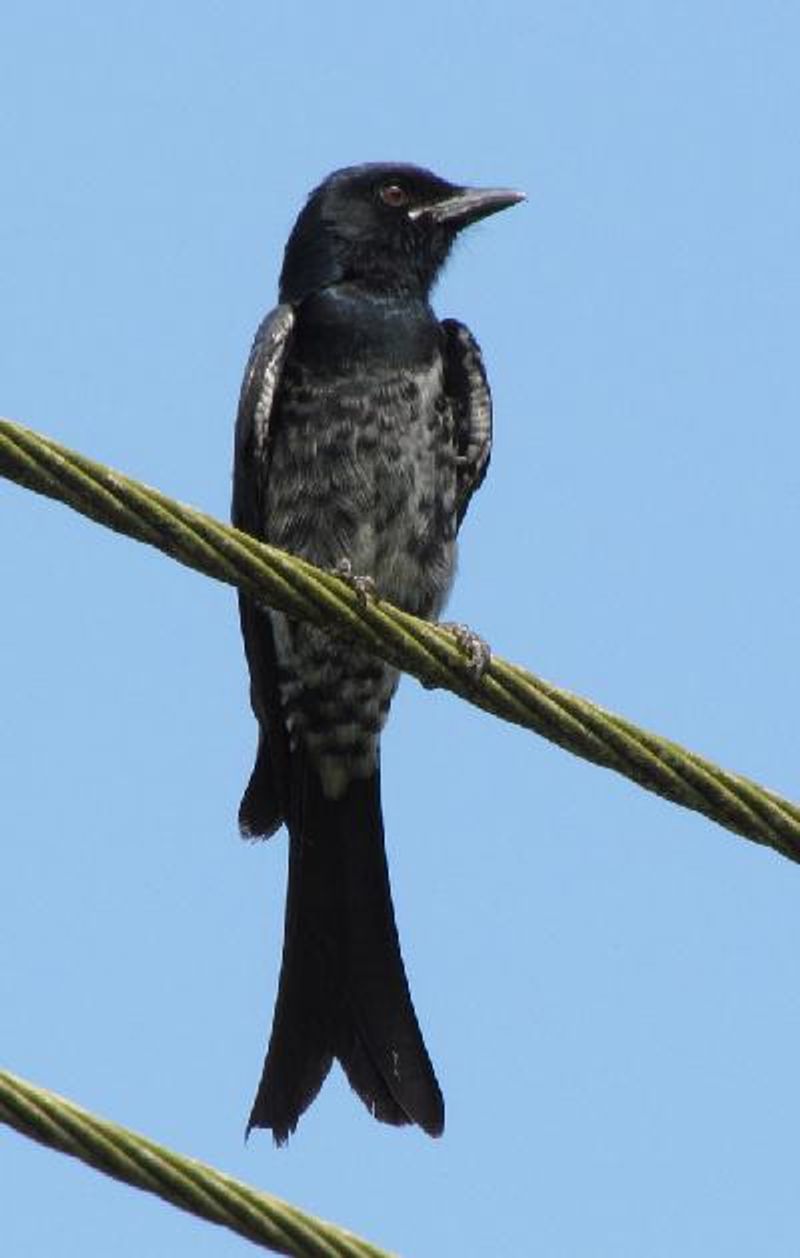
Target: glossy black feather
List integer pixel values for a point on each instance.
(343, 991)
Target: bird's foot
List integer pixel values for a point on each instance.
(363, 586)
(477, 651)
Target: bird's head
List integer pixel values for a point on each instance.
(388, 227)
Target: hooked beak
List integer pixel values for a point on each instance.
(468, 205)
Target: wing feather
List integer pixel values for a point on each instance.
(468, 388)
(253, 421)
(266, 798)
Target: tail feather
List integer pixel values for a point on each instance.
(260, 813)
(343, 991)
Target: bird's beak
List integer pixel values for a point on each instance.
(468, 205)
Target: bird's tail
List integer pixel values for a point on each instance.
(343, 991)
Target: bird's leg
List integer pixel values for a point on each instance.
(363, 586)
(477, 651)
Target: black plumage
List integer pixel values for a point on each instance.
(364, 428)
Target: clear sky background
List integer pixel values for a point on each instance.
(609, 986)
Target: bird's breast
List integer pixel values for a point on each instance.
(363, 468)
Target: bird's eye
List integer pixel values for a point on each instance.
(392, 194)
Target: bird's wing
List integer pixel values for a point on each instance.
(265, 801)
(468, 388)
(259, 387)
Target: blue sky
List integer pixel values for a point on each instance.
(608, 985)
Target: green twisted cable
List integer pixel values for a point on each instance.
(429, 652)
(190, 1185)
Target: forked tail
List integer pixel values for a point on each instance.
(343, 991)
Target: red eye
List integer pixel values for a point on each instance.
(392, 194)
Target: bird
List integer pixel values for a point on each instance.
(363, 430)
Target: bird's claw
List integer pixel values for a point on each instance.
(477, 651)
(362, 586)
